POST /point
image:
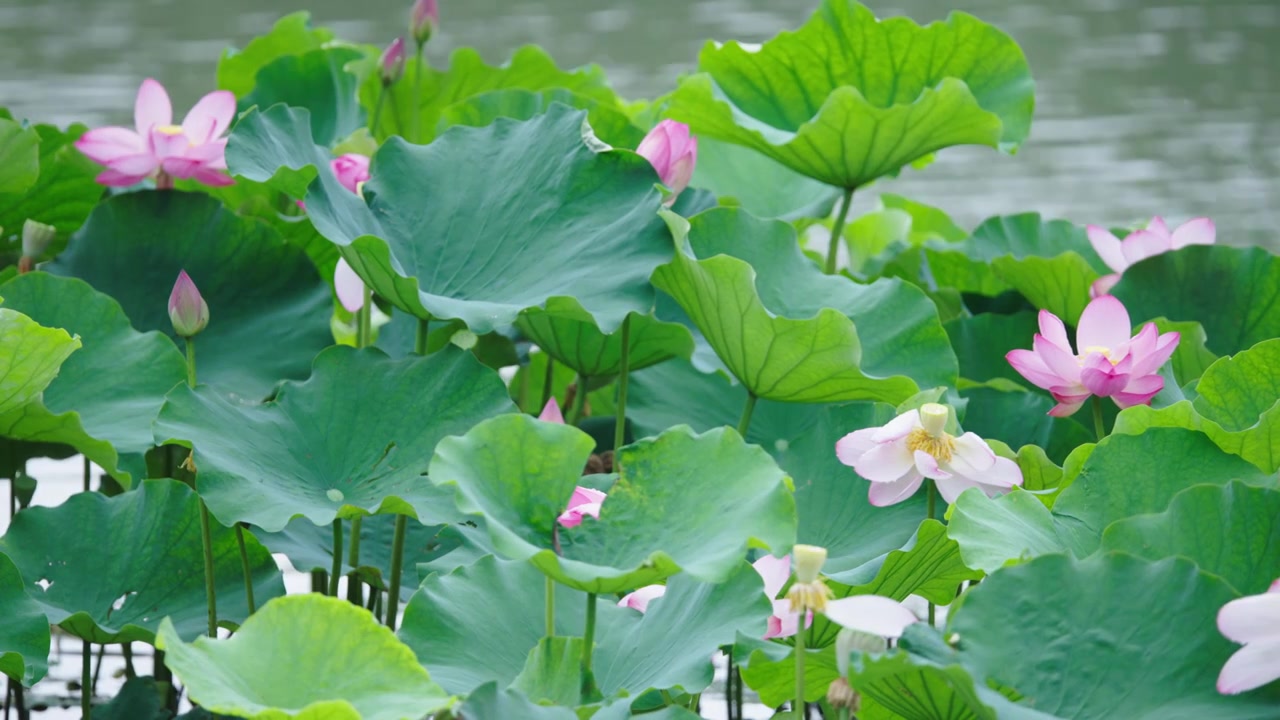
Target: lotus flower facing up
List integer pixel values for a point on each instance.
(673, 152)
(1106, 363)
(1255, 622)
(898, 457)
(156, 148)
(1150, 241)
(584, 501)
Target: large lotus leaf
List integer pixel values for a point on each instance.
(848, 98)
(62, 195)
(134, 245)
(789, 333)
(519, 473)
(1232, 531)
(568, 333)
(530, 68)
(291, 35)
(584, 225)
(488, 702)
(317, 81)
(1233, 292)
(769, 668)
(19, 156)
(30, 357)
(24, 637)
(352, 439)
(607, 120)
(1192, 357)
(914, 688)
(131, 561)
(996, 532)
(1019, 418)
(760, 185)
(110, 422)
(1088, 654)
(305, 657)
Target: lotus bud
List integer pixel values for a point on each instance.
(673, 152)
(36, 238)
(391, 64)
(423, 20)
(809, 560)
(187, 310)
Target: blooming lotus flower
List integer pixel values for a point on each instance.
(1142, 244)
(584, 501)
(158, 148)
(424, 18)
(1107, 363)
(1255, 622)
(898, 457)
(349, 286)
(391, 64)
(673, 152)
(351, 170)
(187, 309)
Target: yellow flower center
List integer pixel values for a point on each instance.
(1103, 351)
(170, 129)
(941, 447)
(809, 596)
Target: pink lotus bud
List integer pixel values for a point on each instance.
(351, 169)
(423, 20)
(392, 62)
(187, 310)
(673, 153)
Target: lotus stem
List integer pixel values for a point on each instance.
(336, 571)
(355, 589)
(744, 424)
(837, 230)
(126, 649)
(417, 95)
(191, 362)
(551, 608)
(800, 637)
(931, 492)
(589, 635)
(210, 594)
(397, 560)
(244, 566)
(548, 384)
(86, 681)
(579, 400)
(364, 320)
(88, 477)
(1099, 424)
(377, 111)
(319, 581)
(420, 340)
(97, 667)
(620, 427)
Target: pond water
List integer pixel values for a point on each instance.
(1145, 106)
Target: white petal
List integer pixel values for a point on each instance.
(885, 463)
(1252, 666)
(972, 455)
(886, 494)
(1252, 618)
(871, 614)
(898, 427)
(852, 446)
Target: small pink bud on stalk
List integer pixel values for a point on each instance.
(423, 20)
(187, 310)
(391, 65)
(36, 238)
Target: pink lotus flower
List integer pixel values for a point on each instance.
(158, 148)
(673, 152)
(349, 286)
(391, 64)
(1142, 244)
(584, 501)
(1255, 622)
(187, 309)
(639, 599)
(351, 170)
(1108, 362)
(898, 457)
(551, 412)
(424, 18)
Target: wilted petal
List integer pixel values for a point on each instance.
(1199, 231)
(774, 571)
(1108, 247)
(151, 108)
(885, 463)
(886, 494)
(1103, 324)
(209, 117)
(551, 412)
(870, 614)
(639, 599)
(349, 286)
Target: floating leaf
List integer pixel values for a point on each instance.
(30, 357)
(132, 560)
(307, 657)
(110, 422)
(24, 640)
(266, 464)
(133, 247)
(291, 35)
(519, 473)
(848, 98)
(315, 80)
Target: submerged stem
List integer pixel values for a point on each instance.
(336, 571)
(620, 426)
(244, 566)
(397, 560)
(837, 230)
(1099, 424)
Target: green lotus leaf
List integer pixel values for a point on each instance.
(109, 422)
(1233, 292)
(1231, 531)
(291, 35)
(305, 657)
(519, 474)
(607, 120)
(19, 156)
(848, 98)
(62, 195)
(1003, 531)
(24, 640)
(1113, 613)
(139, 699)
(488, 702)
(552, 673)
(315, 80)
(753, 282)
(568, 333)
(1192, 357)
(585, 226)
(132, 561)
(353, 439)
(1019, 418)
(133, 247)
(911, 686)
(981, 342)
(758, 184)
(769, 668)
(530, 68)
(30, 357)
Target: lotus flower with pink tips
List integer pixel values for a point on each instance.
(156, 148)
(1255, 622)
(1105, 363)
(1150, 241)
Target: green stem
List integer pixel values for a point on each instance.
(126, 649)
(191, 362)
(319, 581)
(799, 707)
(417, 96)
(244, 566)
(377, 111)
(420, 340)
(164, 681)
(744, 423)
(620, 426)
(728, 687)
(336, 571)
(355, 590)
(844, 713)
(211, 597)
(837, 230)
(397, 559)
(589, 634)
(395, 114)
(551, 608)
(97, 669)
(86, 681)
(548, 382)
(88, 474)
(1099, 424)
(364, 320)
(579, 401)
(932, 492)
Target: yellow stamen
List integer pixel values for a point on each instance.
(1103, 351)
(809, 596)
(941, 448)
(169, 129)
